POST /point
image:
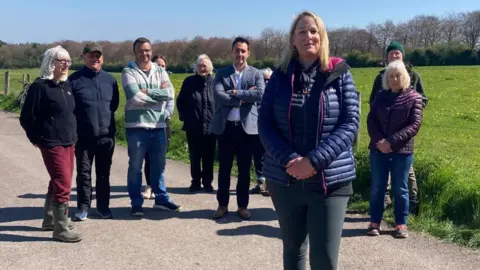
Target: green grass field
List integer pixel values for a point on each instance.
(447, 159)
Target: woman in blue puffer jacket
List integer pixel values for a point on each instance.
(308, 120)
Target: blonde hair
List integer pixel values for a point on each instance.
(399, 66)
(209, 62)
(47, 66)
(290, 52)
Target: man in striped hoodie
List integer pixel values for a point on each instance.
(147, 90)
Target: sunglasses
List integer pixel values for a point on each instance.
(64, 62)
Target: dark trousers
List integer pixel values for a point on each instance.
(234, 142)
(303, 212)
(59, 163)
(100, 149)
(258, 154)
(146, 168)
(202, 154)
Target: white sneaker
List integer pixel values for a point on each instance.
(147, 194)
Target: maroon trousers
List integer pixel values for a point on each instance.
(59, 163)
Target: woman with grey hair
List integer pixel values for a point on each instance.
(259, 151)
(50, 125)
(195, 105)
(267, 73)
(395, 118)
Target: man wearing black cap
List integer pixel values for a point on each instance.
(396, 51)
(96, 100)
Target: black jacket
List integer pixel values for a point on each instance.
(96, 97)
(47, 115)
(195, 103)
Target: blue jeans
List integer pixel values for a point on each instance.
(398, 165)
(141, 141)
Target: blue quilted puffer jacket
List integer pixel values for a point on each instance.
(329, 134)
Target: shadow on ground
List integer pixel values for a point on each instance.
(261, 230)
(73, 197)
(21, 238)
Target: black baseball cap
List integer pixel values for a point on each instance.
(92, 47)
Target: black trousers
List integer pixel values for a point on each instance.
(201, 149)
(86, 150)
(306, 215)
(146, 169)
(234, 142)
(258, 154)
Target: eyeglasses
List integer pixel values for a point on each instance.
(64, 62)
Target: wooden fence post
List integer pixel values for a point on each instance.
(24, 77)
(7, 82)
(28, 77)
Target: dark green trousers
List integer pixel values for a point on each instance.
(303, 211)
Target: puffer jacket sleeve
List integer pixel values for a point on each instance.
(341, 138)
(269, 134)
(399, 138)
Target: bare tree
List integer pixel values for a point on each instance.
(450, 27)
(337, 39)
(278, 42)
(371, 28)
(471, 28)
(266, 39)
(429, 30)
(384, 33)
(402, 33)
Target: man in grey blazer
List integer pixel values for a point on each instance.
(237, 90)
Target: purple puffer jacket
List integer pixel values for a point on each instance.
(398, 122)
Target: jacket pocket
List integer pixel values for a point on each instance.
(49, 130)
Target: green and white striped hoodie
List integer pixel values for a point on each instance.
(146, 110)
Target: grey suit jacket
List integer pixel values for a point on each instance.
(246, 100)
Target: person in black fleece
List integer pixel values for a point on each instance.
(195, 105)
(50, 125)
(96, 96)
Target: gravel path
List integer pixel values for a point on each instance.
(185, 240)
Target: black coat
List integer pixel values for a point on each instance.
(195, 103)
(47, 115)
(97, 98)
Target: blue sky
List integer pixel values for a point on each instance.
(53, 20)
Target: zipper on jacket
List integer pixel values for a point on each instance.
(66, 104)
(319, 133)
(389, 119)
(305, 130)
(289, 116)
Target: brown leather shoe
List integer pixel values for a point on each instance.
(244, 213)
(221, 212)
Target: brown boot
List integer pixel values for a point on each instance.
(244, 213)
(47, 224)
(221, 212)
(61, 231)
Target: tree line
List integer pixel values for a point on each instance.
(450, 39)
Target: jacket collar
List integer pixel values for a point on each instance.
(337, 67)
(90, 73)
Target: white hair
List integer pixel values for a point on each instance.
(47, 67)
(267, 72)
(209, 62)
(398, 66)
